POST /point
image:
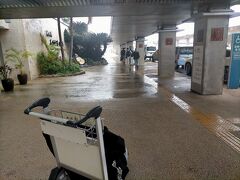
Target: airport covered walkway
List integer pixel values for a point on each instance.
(170, 132)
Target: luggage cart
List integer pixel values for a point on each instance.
(76, 140)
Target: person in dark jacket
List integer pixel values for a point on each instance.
(128, 55)
(136, 57)
(123, 55)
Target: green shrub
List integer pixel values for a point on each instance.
(52, 50)
(48, 65)
(87, 45)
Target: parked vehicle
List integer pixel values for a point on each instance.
(184, 60)
(149, 50)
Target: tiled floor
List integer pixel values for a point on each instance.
(164, 140)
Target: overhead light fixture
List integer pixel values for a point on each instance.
(167, 29)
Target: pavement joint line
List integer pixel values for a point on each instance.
(214, 123)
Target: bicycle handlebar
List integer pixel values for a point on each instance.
(43, 102)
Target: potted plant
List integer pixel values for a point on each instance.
(7, 83)
(18, 57)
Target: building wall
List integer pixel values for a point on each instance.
(32, 29)
(25, 34)
(13, 38)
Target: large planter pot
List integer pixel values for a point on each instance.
(22, 78)
(8, 84)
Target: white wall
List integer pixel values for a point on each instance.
(25, 34)
(32, 30)
(13, 38)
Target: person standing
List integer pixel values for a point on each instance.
(136, 57)
(128, 55)
(123, 55)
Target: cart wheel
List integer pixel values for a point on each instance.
(58, 174)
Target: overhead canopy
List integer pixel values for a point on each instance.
(131, 18)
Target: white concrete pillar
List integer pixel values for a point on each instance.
(167, 46)
(210, 41)
(134, 45)
(140, 49)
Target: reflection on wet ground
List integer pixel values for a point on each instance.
(170, 132)
(123, 81)
(102, 82)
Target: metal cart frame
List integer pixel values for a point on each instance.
(77, 145)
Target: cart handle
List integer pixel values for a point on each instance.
(93, 113)
(43, 102)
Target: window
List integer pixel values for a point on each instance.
(151, 48)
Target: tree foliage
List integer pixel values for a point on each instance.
(52, 50)
(50, 63)
(86, 44)
(50, 66)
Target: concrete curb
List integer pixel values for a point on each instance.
(62, 75)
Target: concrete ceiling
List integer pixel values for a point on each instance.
(131, 18)
(145, 22)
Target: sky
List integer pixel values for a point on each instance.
(98, 25)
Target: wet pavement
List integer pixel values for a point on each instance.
(170, 132)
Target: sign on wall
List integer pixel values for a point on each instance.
(234, 74)
(217, 34)
(197, 64)
(140, 46)
(169, 41)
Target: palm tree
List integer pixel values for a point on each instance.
(71, 40)
(60, 38)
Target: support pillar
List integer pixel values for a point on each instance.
(140, 49)
(210, 42)
(167, 46)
